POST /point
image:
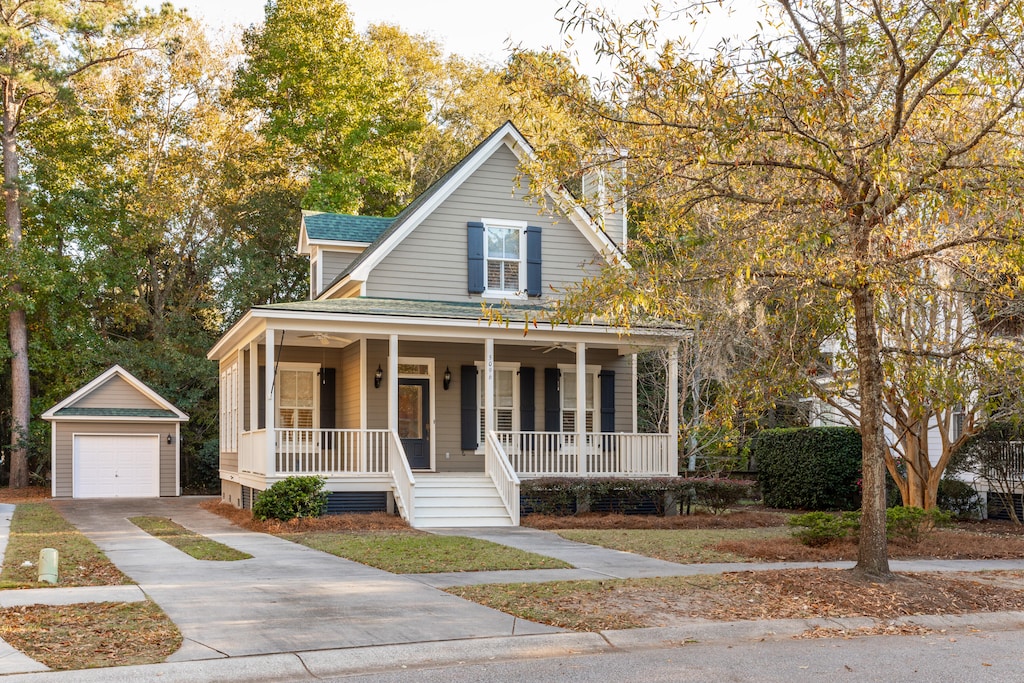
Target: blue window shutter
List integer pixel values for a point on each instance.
(552, 403)
(527, 419)
(475, 256)
(533, 258)
(469, 414)
(607, 400)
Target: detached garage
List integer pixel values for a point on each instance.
(115, 438)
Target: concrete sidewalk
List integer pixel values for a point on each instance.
(295, 613)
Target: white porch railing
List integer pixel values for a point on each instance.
(252, 452)
(331, 452)
(499, 469)
(555, 454)
(405, 482)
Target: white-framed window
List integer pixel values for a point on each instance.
(298, 396)
(506, 399)
(229, 409)
(567, 392)
(504, 258)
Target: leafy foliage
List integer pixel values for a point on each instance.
(814, 468)
(910, 524)
(821, 528)
(291, 498)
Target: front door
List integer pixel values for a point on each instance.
(414, 421)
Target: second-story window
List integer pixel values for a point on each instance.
(503, 257)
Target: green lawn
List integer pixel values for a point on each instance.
(418, 553)
(35, 526)
(189, 542)
(674, 545)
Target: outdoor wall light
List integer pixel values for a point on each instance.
(447, 378)
(170, 439)
(377, 377)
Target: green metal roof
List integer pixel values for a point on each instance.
(344, 227)
(460, 310)
(72, 411)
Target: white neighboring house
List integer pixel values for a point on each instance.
(391, 382)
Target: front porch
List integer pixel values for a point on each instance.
(359, 460)
(395, 404)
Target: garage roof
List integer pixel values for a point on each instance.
(157, 407)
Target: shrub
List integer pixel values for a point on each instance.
(959, 499)
(559, 496)
(821, 528)
(911, 524)
(718, 495)
(813, 468)
(290, 498)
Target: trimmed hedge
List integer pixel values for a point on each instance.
(563, 496)
(810, 468)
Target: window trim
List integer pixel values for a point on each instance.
(521, 226)
(480, 398)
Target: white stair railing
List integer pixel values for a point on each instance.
(405, 482)
(499, 469)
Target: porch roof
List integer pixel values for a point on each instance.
(412, 308)
(439, 320)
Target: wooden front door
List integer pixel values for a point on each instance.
(414, 421)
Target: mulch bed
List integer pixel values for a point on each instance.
(28, 494)
(373, 521)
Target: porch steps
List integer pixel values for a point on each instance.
(444, 500)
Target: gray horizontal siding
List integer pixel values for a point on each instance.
(64, 447)
(115, 393)
(431, 262)
(334, 263)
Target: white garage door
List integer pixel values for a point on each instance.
(116, 466)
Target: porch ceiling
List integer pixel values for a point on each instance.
(440, 321)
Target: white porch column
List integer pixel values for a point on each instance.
(581, 407)
(254, 384)
(488, 389)
(269, 398)
(673, 410)
(393, 383)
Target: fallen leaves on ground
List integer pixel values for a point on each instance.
(26, 494)
(742, 519)
(91, 635)
(739, 596)
(373, 521)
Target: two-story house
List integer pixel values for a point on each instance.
(391, 382)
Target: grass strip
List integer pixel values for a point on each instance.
(91, 635)
(416, 553)
(585, 605)
(187, 541)
(686, 546)
(35, 526)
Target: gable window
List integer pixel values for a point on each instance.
(506, 400)
(504, 258)
(297, 397)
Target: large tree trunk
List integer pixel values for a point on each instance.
(18, 329)
(872, 553)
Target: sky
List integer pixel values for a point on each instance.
(482, 28)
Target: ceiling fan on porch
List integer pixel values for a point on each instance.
(553, 347)
(325, 338)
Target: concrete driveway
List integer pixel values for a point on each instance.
(287, 598)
